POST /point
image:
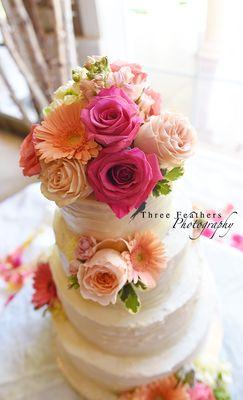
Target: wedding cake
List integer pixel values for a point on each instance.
(130, 293)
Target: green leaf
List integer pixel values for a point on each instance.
(73, 282)
(190, 378)
(46, 110)
(162, 188)
(186, 377)
(140, 285)
(174, 173)
(100, 66)
(221, 391)
(129, 297)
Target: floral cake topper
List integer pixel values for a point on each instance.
(105, 132)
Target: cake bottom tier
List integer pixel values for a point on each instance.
(99, 375)
(90, 389)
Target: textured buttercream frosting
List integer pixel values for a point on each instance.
(91, 390)
(95, 218)
(164, 315)
(119, 371)
(90, 217)
(107, 345)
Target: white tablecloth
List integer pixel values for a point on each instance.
(28, 369)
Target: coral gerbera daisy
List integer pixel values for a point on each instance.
(62, 134)
(163, 389)
(45, 289)
(147, 258)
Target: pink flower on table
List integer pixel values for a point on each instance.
(208, 232)
(201, 392)
(164, 389)
(111, 118)
(150, 103)
(123, 180)
(13, 276)
(85, 248)
(28, 159)
(170, 136)
(102, 277)
(237, 241)
(147, 258)
(45, 292)
(128, 76)
(15, 259)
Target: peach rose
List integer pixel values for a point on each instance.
(101, 277)
(64, 181)
(170, 136)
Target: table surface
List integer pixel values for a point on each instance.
(28, 369)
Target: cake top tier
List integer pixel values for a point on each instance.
(89, 217)
(105, 133)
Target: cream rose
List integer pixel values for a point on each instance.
(101, 277)
(64, 181)
(170, 136)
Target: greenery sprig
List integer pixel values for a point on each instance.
(73, 282)
(163, 187)
(100, 66)
(220, 390)
(129, 296)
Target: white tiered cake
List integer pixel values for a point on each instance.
(134, 292)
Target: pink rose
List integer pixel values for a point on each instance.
(85, 247)
(74, 267)
(111, 118)
(103, 276)
(28, 159)
(201, 392)
(170, 136)
(149, 103)
(129, 77)
(123, 180)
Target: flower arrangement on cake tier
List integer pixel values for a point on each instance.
(106, 133)
(115, 268)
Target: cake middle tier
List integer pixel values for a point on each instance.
(164, 317)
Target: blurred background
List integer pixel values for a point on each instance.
(191, 49)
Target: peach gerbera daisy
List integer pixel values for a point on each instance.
(163, 389)
(62, 134)
(147, 258)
